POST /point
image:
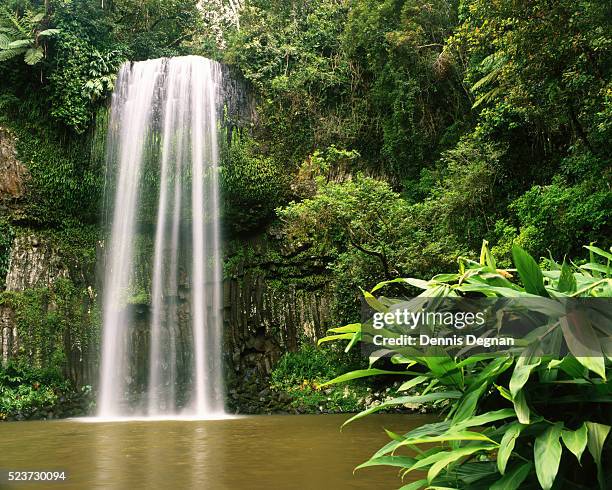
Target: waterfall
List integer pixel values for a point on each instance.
(162, 173)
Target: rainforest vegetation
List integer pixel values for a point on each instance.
(388, 140)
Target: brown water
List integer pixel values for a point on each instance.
(260, 452)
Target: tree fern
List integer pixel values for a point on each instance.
(20, 35)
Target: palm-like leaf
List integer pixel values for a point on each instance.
(19, 34)
(518, 433)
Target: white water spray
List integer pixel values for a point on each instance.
(164, 123)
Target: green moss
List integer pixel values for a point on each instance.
(66, 182)
(6, 240)
(252, 183)
(51, 321)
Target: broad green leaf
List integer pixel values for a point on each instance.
(599, 251)
(591, 288)
(353, 341)
(402, 359)
(419, 283)
(471, 471)
(507, 445)
(399, 461)
(437, 292)
(351, 328)
(490, 372)
(362, 373)
(374, 303)
(445, 369)
(529, 272)
(575, 440)
(412, 383)
(597, 434)
(567, 281)
(484, 419)
(449, 436)
(415, 485)
(494, 291)
(402, 400)
(505, 392)
(597, 267)
(513, 479)
(568, 365)
(428, 460)
(521, 408)
(520, 376)
(394, 436)
(436, 428)
(452, 456)
(486, 258)
(547, 456)
(445, 277)
(583, 342)
(333, 338)
(468, 404)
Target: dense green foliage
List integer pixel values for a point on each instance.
(299, 374)
(57, 328)
(390, 136)
(53, 321)
(252, 185)
(481, 120)
(6, 239)
(24, 389)
(89, 41)
(490, 120)
(519, 419)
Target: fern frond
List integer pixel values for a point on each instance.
(7, 54)
(13, 20)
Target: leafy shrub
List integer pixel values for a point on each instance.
(24, 389)
(252, 184)
(81, 79)
(554, 217)
(518, 419)
(51, 321)
(66, 183)
(311, 365)
(366, 230)
(299, 374)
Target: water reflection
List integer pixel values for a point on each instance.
(277, 452)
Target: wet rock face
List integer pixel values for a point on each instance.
(8, 335)
(275, 300)
(34, 262)
(13, 174)
(238, 107)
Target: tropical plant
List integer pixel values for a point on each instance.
(514, 417)
(23, 35)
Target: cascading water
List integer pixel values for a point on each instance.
(162, 161)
